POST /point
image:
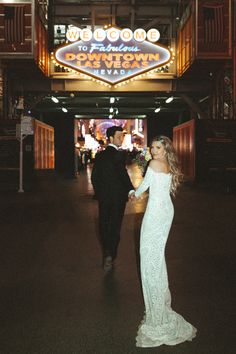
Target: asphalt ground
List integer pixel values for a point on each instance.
(55, 297)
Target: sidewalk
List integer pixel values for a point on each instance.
(55, 298)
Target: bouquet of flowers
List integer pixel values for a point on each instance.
(142, 158)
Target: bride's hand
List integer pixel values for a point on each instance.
(132, 197)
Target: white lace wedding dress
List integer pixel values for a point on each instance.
(161, 325)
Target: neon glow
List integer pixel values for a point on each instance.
(113, 60)
(113, 34)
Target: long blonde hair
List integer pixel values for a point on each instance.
(172, 160)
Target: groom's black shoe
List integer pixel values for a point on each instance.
(107, 264)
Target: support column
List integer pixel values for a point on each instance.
(86, 125)
(234, 59)
(1, 91)
(145, 142)
(195, 108)
(113, 15)
(132, 15)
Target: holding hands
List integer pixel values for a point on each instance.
(132, 196)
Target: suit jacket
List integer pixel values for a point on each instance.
(109, 177)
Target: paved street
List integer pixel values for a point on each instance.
(55, 298)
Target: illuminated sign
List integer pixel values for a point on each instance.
(114, 55)
(113, 34)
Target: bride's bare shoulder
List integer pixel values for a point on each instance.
(159, 166)
(155, 164)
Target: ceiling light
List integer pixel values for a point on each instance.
(54, 99)
(112, 99)
(169, 99)
(111, 110)
(64, 110)
(110, 116)
(157, 110)
(203, 99)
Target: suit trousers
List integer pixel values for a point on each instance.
(110, 220)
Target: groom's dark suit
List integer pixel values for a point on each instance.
(111, 184)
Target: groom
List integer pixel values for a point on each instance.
(112, 185)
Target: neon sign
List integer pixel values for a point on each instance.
(113, 34)
(114, 55)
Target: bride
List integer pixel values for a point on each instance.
(160, 325)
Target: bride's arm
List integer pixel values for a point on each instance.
(145, 183)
